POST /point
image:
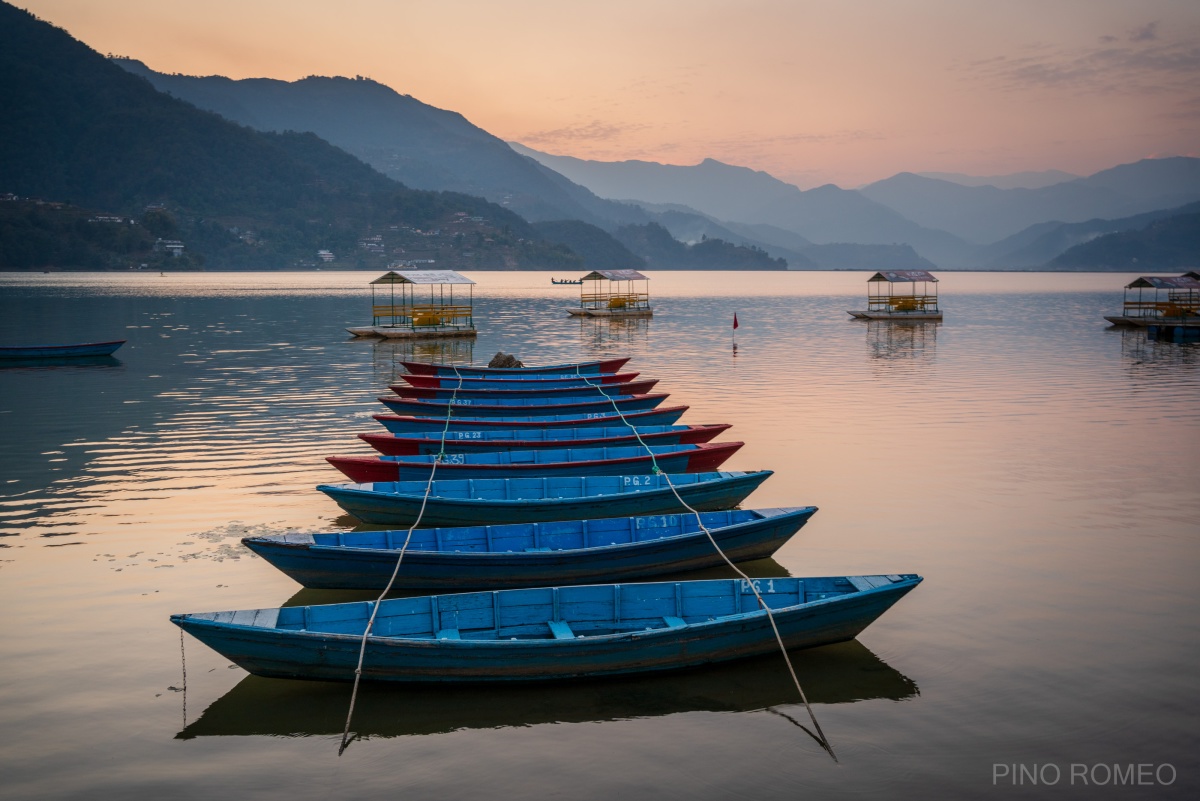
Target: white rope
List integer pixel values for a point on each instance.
(362, 650)
(749, 582)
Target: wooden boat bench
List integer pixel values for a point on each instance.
(560, 629)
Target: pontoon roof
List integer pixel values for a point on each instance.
(1164, 282)
(902, 275)
(616, 275)
(422, 277)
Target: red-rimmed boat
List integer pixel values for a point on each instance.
(549, 382)
(499, 394)
(576, 368)
(522, 407)
(618, 461)
(540, 439)
(407, 424)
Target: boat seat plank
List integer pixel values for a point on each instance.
(560, 629)
(449, 634)
(674, 622)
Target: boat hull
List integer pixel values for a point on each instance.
(688, 459)
(567, 498)
(264, 642)
(410, 424)
(81, 351)
(485, 442)
(482, 409)
(548, 382)
(498, 391)
(578, 368)
(523, 555)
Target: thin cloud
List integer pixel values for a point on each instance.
(1145, 65)
(592, 132)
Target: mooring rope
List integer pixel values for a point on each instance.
(824, 741)
(362, 650)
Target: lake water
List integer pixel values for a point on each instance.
(1036, 467)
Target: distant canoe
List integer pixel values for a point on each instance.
(407, 424)
(602, 461)
(577, 368)
(539, 439)
(482, 501)
(84, 350)
(566, 281)
(532, 382)
(530, 554)
(498, 391)
(549, 633)
(483, 408)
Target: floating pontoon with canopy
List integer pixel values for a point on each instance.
(614, 293)
(902, 300)
(1155, 300)
(399, 310)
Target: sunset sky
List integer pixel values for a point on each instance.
(841, 92)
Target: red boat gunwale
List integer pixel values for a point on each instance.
(439, 407)
(517, 425)
(436, 381)
(604, 366)
(435, 393)
(390, 444)
(707, 457)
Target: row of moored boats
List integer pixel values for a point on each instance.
(544, 500)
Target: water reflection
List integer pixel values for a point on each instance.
(386, 355)
(79, 362)
(1140, 351)
(895, 340)
(607, 332)
(834, 674)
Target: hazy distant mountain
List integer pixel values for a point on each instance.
(1016, 180)
(986, 214)
(1040, 243)
(1166, 245)
(419, 145)
(824, 215)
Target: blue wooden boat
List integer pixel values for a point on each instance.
(548, 633)
(482, 501)
(410, 424)
(530, 554)
(624, 460)
(533, 382)
(576, 368)
(83, 350)
(475, 441)
(501, 391)
(482, 408)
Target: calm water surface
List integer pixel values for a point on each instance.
(1036, 467)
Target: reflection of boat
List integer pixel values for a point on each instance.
(834, 674)
(529, 554)
(499, 390)
(576, 368)
(549, 633)
(625, 460)
(76, 351)
(540, 439)
(484, 501)
(477, 408)
(407, 424)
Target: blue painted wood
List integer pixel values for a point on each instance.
(83, 350)
(483, 408)
(516, 382)
(406, 424)
(476, 441)
(575, 368)
(501, 391)
(509, 635)
(476, 501)
(530, 554)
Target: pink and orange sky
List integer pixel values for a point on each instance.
(842, 92)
